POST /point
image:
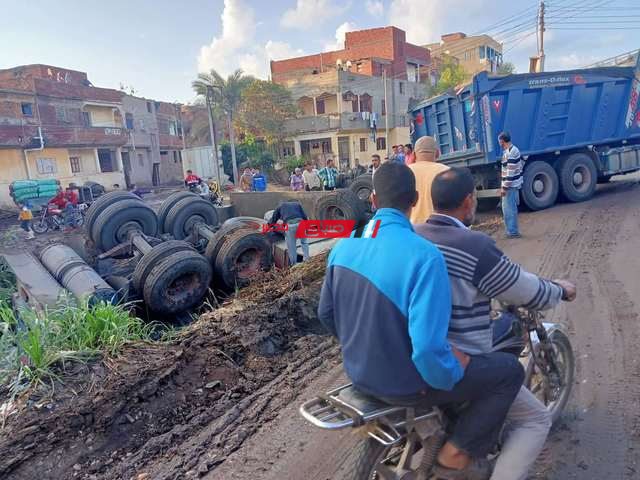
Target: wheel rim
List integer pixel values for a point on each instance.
(541, 185)
(123, 232)
(581, 178)
(249, 263)
(559, 387)
(335, 213)
(363, 194)
(181, 289)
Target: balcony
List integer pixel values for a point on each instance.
(331, 121)
(85, 136)
(170, 141)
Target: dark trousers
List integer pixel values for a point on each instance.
(490, 385)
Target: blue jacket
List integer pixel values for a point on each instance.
(387, 299)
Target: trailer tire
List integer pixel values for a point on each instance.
(340, 205)
(115, 221)
(149, 260)
(215, 244)
(186, 213)
(104, 201)
(243, 254)
(362, 186)
(168, 204)
(250, 222)
(540, 185)
(177, 283)
(578, 177)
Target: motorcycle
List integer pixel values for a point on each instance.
(52, 218)
(211, 193)
(402, 443)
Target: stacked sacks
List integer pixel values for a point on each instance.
(23, 190)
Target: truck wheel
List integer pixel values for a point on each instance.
(177, 283)
(157, 253)
(578, 177)
(186, 213)
(168, 204)
(362, 186)
(242, 255)
(252, 222)
(540, 185)
(215, 244)
(340, 205)
(101, 204)
(116, 221)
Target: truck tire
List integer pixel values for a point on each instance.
(362, 186)
(149, 260)
(252, 222)
(340, 205)
(578, 177)
(168, 204)
(540, 185)
(186, 213)
(103, 202)
(242, 255)
(114, 222)
(177, 283)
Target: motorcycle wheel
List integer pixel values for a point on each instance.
(563, 355)
(40, 227)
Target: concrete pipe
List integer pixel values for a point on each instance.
(75, 275)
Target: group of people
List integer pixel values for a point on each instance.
(311, 179)
(64, 203)
(411, 309)
(247, 179)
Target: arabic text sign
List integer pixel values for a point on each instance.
(325, 228)
(275, 227)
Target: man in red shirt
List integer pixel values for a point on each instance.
(191, 178)
(59, 201)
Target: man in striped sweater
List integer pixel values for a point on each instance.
(512, 167)
(479, 271)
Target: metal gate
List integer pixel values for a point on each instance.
(344, 155)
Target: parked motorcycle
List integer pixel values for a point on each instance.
(210, 191)
(52, 218)
(402, 443)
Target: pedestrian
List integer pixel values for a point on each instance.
(26, 217)
(425, 170)
(375, 163)
(329, 175)
(358, 169)
(512, 166)
(409, 155)
(297, 180)
(246, 180)
(399, 155)
(312, 181)
(291, 213)
(70, 213)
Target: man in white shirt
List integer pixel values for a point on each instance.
(311, 178)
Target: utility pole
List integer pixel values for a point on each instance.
(213, 136)
(541, 33)
(386, 111)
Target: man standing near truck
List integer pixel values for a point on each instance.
(512, 166)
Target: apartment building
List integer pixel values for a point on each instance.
(341, 96)
(475, 54)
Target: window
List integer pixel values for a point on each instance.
(128, 118)
(27, 109)
(85, 118)
(384, 108)
(381, 143)
(75, 164)
(401, 88)
(365, 103)
(288, 151)
(359, 67)
(61, 114)
(46, 166)
(363, 144)
(482, 52)
(173, 128)
(149, 109)
(176, 156)
(141, 121)
(319, 106)
(141, 160)
(326, 146)
(354, 105)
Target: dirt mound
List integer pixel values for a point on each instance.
(176, 410)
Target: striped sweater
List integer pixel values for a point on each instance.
(478, 272)
(512, 166)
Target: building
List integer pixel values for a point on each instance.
(55, 124)
(474, 53)
(341, 96)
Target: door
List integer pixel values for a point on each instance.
(155, 179)
(106, 160)
(344, 154)
(126, 166)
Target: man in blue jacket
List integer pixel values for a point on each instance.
(388, 301)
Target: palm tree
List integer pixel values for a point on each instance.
(227, 93)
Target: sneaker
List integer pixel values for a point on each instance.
(478, 469)
(509, 235)
(30, 236)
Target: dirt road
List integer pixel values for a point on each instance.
(596, 244)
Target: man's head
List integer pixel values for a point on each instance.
(189, 172)
(297, 170)
(247, 171)
(375, 160)
(329, 162)
(72, 186)
(408, 148)
(394, 186)
(308, 167)
(426, 149)
(357, 162)
(505, 140)
(453, 193)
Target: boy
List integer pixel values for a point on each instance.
(26, 217)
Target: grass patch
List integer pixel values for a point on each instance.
(7, 281)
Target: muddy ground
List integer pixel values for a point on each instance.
(220, 401)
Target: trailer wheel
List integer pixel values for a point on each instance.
(186, 213)
(116, 221)
(157, 253)
(340, 205)
(578, 177)
(251, 222)
(243, 254)
(168, 204)
(106, 200)
(362, 186)
(214, 245)
(540, 185)
(178, 283)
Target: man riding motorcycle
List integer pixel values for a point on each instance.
(479, 272)
(388, 301)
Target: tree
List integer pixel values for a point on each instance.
(228, 94)
(506, 68)
(264, 109)
(452, 75)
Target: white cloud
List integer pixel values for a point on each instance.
(310, 13)
(341, 33)
(375, 8)
(236, 46)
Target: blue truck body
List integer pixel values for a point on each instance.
(551, 117)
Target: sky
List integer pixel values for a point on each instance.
(159, 46)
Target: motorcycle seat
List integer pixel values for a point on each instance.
(361, 402)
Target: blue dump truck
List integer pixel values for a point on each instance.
(574, 128)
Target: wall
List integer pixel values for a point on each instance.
(256, 204)
(11, 168)
(87, 157)
(61, 157)
(200, 160)
(171, 171)
(141, 173)
(101, 116)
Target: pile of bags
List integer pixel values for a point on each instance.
(33, 190)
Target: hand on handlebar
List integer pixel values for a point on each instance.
(569, 290)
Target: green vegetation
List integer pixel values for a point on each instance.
(452, 75)
(7, 282)
(294, 162)
(506, 68)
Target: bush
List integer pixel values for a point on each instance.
(295, 162)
